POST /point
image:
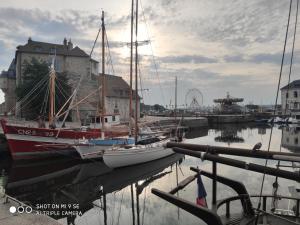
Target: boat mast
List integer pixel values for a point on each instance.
(52, 93)
(136, 72)
(131, 59)
(103, 80)
(175, 107)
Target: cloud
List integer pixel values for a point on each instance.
(187, 59)
(215, 46)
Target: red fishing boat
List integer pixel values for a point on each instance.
(30, 142)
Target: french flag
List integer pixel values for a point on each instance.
(201, 199)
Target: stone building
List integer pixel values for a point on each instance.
(290, 97)
(8, 86)
(74, 62)
(117, 97)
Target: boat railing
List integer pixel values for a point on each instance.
(227, 203)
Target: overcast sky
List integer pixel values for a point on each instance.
(215, 46)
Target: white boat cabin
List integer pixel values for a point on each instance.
(109, 120)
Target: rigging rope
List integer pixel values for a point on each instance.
(274, 112)
(153, 57)
(275, 184)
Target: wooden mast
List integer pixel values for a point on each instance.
(136, 71)
(52, 94)
(130, 75)
(103, 79)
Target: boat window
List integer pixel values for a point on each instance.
(295, 94)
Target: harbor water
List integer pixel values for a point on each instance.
(73, 192)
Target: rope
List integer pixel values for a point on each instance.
(109, 54)
(153, 58)
(274, 112)
(275, 184)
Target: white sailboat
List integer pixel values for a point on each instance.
(94, 148)
(136, 154)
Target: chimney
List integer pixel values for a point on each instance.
(70, 45)
(65, 42)
(29, 40)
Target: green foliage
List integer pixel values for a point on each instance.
(36, 75)
(155, 107)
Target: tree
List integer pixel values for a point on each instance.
(33, 91)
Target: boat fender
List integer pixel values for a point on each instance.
(202, 156)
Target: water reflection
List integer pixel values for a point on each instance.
(67, 182)
(123, 196)
(291, 138)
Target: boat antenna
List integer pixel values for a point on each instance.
(274, 111)
(103, 77)
(52, 92)
(136, 72)
(130, 72)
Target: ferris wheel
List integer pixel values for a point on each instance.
(193, 99)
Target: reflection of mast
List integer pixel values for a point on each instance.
(104, 208)
(137, 204)
(132, 205)
(177, 185)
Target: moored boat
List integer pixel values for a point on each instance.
(137, 154)
(27, 142)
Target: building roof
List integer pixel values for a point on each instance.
(117, 87)
(65, 49)
(293, 85)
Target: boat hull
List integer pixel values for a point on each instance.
(95, 148)
(34, 143)
(128, 157)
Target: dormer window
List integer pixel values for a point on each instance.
(38, 48)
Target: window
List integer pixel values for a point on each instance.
(287, 95)
(52, 50)
(38, 48)
(287, 140)
(295, 94)
(296, 141)
(113, 118)
(295, 105)
(57, 66)
(105, 120)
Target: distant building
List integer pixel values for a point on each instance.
(117, 97)
(74, 62)
(290, 97)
